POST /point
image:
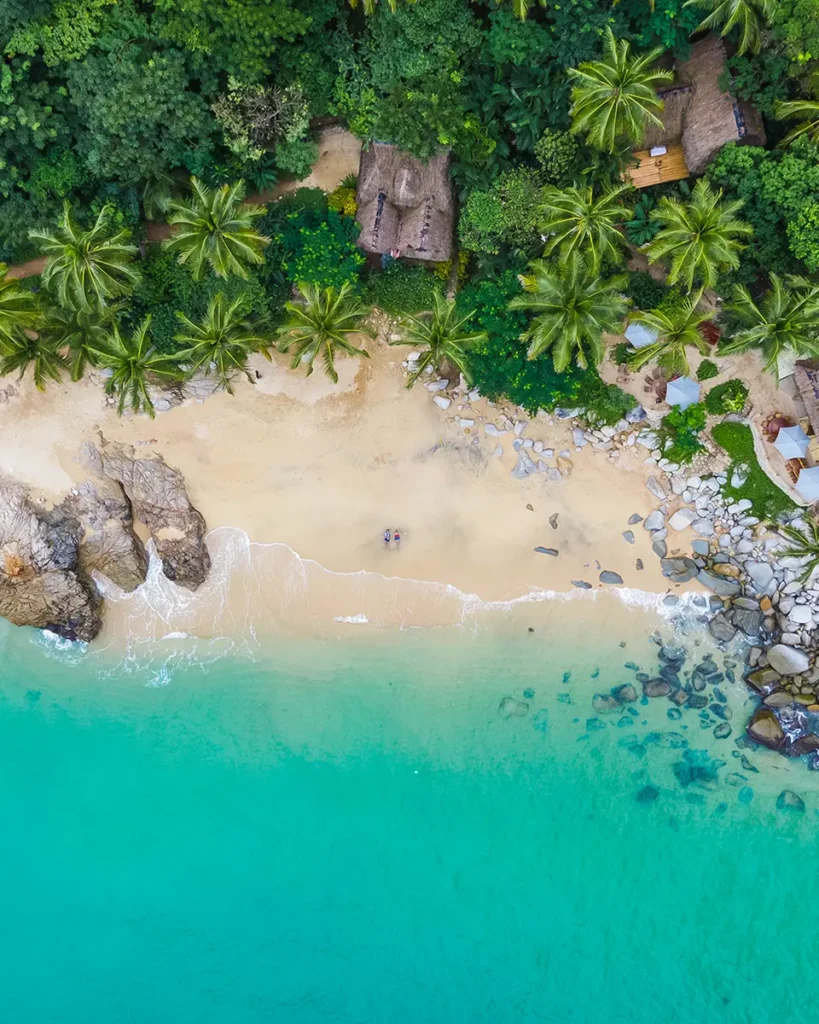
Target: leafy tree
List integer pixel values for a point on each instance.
(700, 237)
(320, 248)
(677, 328)
(504, 215)
(749, 17)
(40, 353)
(214, 228)
(574, 220)
(76, 331)
(804, 543)
(18, 308)
(64, 30)
(679, 432)
(556, 152)
(443, 337)
(785, 320)
(322, 323)
(222, 342)
(615, 97)
(85, 268)
(135, 362)
(572, 308)
(253, 117)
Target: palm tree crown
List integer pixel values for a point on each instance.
(18, 308)
(807, 111)
(574, 220)
(615, 97)
(700, 238)
(748, 16)
(134, 361)
(676, 330)
(804, 543)
(75, 331)
(222, 342)
(785, 320)
(442, 335)
(573, 307)
(215, 229)
(86, 268)
(42, 354)
(322, 324)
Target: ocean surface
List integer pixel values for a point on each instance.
(417, 827)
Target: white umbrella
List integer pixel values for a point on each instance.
(808, 483)
(682, 391)
(640, 336)
(792, 442)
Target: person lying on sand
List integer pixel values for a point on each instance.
(387, 537)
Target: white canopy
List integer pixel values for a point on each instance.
(640, 336)
(682, 391)
(792, 442)
(808, 483)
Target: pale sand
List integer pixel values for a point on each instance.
(321, 470)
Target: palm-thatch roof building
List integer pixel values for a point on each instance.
(698, 120)
(405, 205)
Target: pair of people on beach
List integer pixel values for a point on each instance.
(392, 535)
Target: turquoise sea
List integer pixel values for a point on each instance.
(361, 830)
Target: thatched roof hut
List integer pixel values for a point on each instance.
(405, 204)
(698, 119)
(806, 377)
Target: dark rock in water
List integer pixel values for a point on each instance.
(634, 712)
(581, 585)
(671, 600)
(567, 676)
(625, 722)
(511, 708)
(674, 714)
(722, 731)
(764, 680)
(746, 764)
(697, 700)
(682, 773)
(679, 697)
(647, 795)
(612, 578)
(745, 795)
(528, 693)
(32, 696)
(721, 629)
(813, 761)
(643, 677)
(804, 745)
(694, 798)
(698, 680)
(790, 801)
(735, 779)
(657, 688)
(671, 740)
(672, 655)
(626, 693)
(605, 703)
(595, 673)
(720, 696)
(632, 666)
(639, 564)
(547, 551)
(764, 728)
(721, 711)
(541, 720)
(593, 724)
(678, 570)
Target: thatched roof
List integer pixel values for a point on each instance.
(405, 204)
(806, 376)
(698, 115)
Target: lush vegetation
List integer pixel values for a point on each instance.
(679, 433)
(767, 500)
(728, 397)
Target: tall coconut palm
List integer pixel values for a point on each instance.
(221, 342)
(214, 228)
(700, 238)
(807, 111)
(785, 320)
(574, 220)
(135, 362)
(85, 268)
(322, 323)
(442, 336)
(677, 330)
(19, 308)
(749, 17)
(572, 307)
(76, 331)
(616, 97)
(40, 353)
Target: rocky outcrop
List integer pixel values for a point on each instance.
(41, 583)
(159, 500)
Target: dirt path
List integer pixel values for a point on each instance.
(339, 153)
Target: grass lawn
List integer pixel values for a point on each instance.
(769, 501)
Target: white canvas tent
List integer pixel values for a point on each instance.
(682, 391)
(640, 336)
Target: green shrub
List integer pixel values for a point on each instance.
(556, 152)
(505, 214)
(400, 288)
(678, 433)
(620, 353)
(319, 249)
(728, 397)
(767, 500)
(706, 370)
(644, 291)
(296, 157)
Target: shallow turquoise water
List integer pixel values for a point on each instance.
(352, 832)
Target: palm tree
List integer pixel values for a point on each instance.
(76, 331)
(700, 237)
(134, 361)
(616, 97)
(442, 335)
(18, 308)
(804, 544)
(215, 228)
(322, 323)
(749, 16)
(86, 268)
(30, 349)
(676, 330)
(785, 320)
(222, 342)
(573, 307)
(808, 111)
(574, 220)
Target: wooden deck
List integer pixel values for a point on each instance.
(654, 170)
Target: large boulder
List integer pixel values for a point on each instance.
(41, 583)
(788, 661)
(679, 570)
(160, 501)
(764, 728)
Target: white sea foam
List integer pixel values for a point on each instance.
(353, 620)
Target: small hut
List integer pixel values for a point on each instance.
(405, 205)
(698, 120)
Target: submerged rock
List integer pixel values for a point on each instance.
(647, 795)
(511, 708)
(764, 728)
(790, 801)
